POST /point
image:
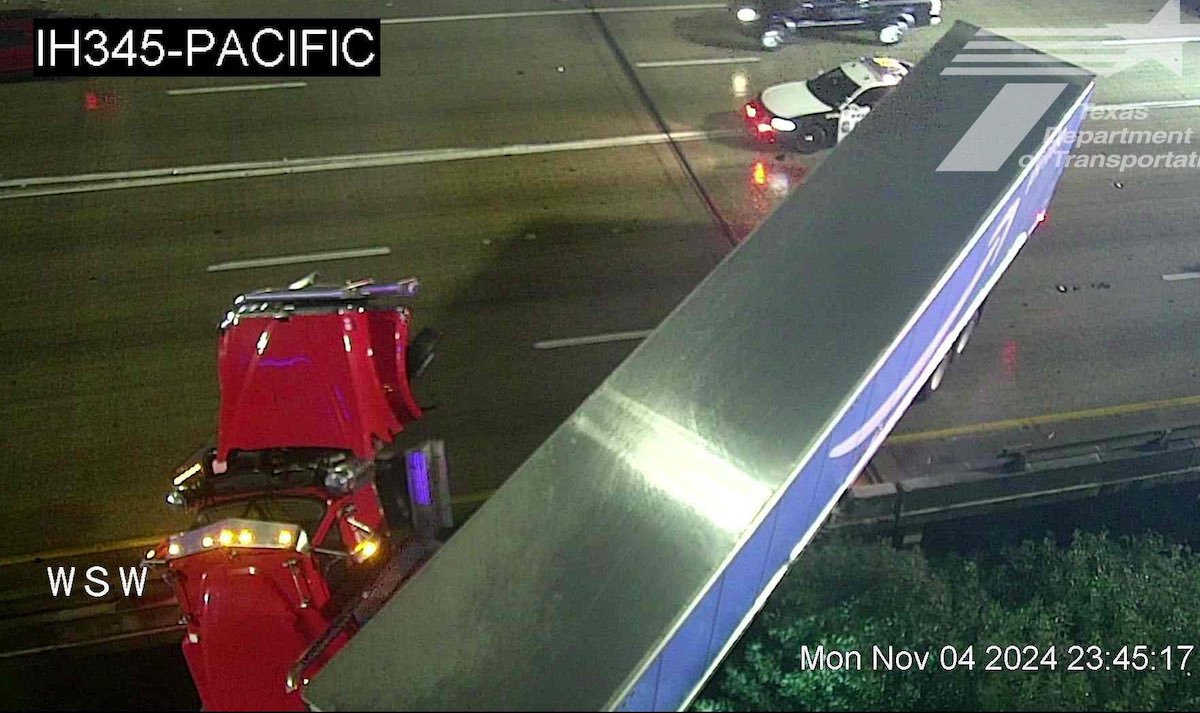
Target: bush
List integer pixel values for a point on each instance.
(851, 596)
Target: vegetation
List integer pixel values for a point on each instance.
(1097, 591)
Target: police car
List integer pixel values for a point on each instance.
(819, 112)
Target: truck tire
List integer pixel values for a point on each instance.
(935, 380)
(964, 336)
(939, 374)
(420, 352)
(391, 481)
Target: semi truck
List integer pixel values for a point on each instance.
(305, 510)
(618, 564)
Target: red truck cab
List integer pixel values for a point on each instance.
(302, 504)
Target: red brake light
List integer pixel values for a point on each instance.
(99, 101)
(764, 128)
(751, 111)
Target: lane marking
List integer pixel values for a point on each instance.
(141, 543)
(896, 439)
(411, 155)
(236, 88)
(133, 543)
(297, 259)
(472, 498)
(1046, 419)
(1182, 276)
(92, 642)
(592, 339)
(695, 62)
(116, 180)
(550, 13)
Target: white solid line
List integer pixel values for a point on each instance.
(88, 183)
(236, 88)
(549, 13)
(593, 339)
(417, 156)
(297, 259)
(1182, 276)
(694, 62)
(91, 642)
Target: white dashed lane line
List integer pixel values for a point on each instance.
(551, 13)
(297, 259)
(592, 339)
(235, 88)
(696, 62)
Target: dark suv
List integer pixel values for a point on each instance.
(774, 22)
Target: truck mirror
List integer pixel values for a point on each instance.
(429, 488)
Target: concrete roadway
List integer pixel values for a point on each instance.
(110, 333)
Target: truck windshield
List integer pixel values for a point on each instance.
(305, 512)
(832, 87)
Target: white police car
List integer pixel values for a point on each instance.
(817, 113)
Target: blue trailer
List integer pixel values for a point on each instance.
(622, 560)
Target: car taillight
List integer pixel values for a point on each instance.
(764, 128)
(751, 111)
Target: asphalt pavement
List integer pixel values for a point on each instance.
(112, 298)
(512, 159)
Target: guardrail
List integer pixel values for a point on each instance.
(1024, 476)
